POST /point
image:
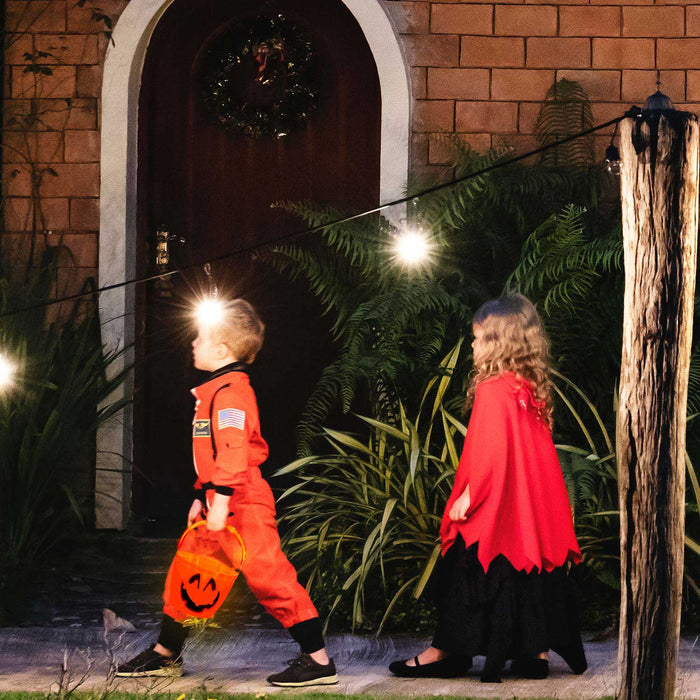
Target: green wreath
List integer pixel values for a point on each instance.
(259, 78)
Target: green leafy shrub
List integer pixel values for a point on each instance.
(363, 521)
(48, 419)
(391, 325)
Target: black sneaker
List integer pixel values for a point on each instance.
(305, 671)
(150, 663)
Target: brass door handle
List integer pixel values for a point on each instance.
(163, 240)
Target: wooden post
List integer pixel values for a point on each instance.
(660, 219)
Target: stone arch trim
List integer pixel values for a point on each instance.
(118, 198)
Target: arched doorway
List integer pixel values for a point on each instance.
(119, 256)
(213, 189)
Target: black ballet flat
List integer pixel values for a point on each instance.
(574, 656)
(450, 667)
(537, 669)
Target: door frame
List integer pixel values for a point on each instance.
(118, 206)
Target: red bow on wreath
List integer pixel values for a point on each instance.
(263, 52)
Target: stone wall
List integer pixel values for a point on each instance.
(479, 69)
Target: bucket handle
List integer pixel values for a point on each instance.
(230, 528)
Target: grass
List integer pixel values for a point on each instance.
(203, 695)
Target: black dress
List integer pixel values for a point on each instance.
(504, 614)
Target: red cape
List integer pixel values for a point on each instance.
(519, 503)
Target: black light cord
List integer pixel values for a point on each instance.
(633, 112)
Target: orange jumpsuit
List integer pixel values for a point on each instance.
(228, 451)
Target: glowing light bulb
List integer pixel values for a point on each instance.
(412, 247)
(7, 372)
(210, 311)
(613, 162)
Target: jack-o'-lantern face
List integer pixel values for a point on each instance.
(198, 597)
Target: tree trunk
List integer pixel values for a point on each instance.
(660, 220)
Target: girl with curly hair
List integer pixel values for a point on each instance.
(503, 586)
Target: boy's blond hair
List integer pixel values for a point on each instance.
(240, 330)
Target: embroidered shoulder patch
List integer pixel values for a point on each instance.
(201, 428)
(231, 418)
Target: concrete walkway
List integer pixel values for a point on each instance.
(237, 662)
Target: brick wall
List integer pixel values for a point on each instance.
(481, 68)
(478, 68)
(53, 73)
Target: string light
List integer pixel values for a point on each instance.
(7, 372)
(613, 162)
(413, 247)
(209, 311)
(634, 111)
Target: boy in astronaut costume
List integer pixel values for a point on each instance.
(228, 450)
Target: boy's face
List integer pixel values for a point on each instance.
(207, 354)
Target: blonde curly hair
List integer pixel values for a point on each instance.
(513, 340)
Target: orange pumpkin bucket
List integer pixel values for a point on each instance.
(204, 569)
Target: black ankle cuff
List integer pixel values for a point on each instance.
(308, 635)
(172, 635)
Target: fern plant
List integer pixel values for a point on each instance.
(566, 111)
(576, 279)
(390, 326)
(47, 425)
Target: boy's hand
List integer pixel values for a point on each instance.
(459, 508)
(195, 511)
(217, 513)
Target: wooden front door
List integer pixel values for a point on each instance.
(214, 189)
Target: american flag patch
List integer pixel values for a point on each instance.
(231, 418)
